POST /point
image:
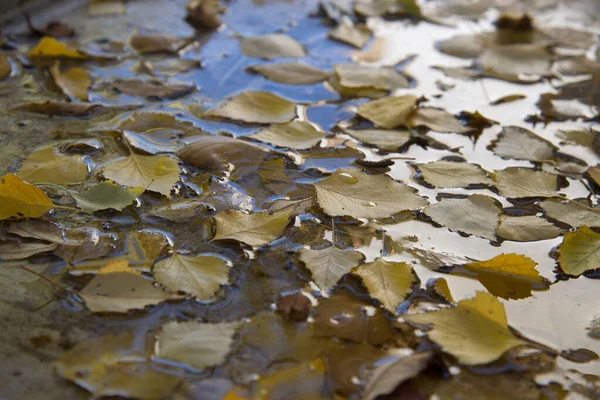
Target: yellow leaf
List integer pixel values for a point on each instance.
(580, 251)
(74, 82)
(475, 331)
(388, 112)
(46, 166)
(22, 200)
(256, 107)
(117, 266)
(255, 229)
(50, 47)
(302, 382)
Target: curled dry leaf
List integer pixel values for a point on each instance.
(105, 195)
(475, 331)
(200, 276)
(218, 153)
(46, 166)
(448, 174)
(255, 229)
(579, 251)
(387, 281)
(388, 112)
(515, 182)
(74, 82)
(272, 45)
(295, 135)
(199, 345)
(291, 73)
(349, 33)
(571, 213)
(330, 264)
(157, 44)
(522, 144)
(256, 107)
(152, 89)
(508, 99)
(22, 200)
(477, 215)
(48, 47)
(349, 191)
(528, 228)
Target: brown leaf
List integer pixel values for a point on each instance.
(5, 67)
(203, 14)
(157, 44)
(53, 28)
(151, 89)
(295, 307)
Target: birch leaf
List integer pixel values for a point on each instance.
(354, 35)
(330, 264)
(475, 331)
(155, 173)
(157, 44)
(151, 89)
(22, 200)
(388, 112)
(354, 77)
(390, 140)
(349, 191)
(291, 73)
(106, 194)
(74, 82)
(14, 250)
(200, 345)
(50, 47)
(218, 153)
(571, 213)
(528, 228)
(437, 120)
(389, 375)
(517, 182)
(256, 107)
(201, 276)
(521, 144)
(387, 281)
(476, 215)
(448, 174)
(255, 229)
(46, 166)
(295, 135)
(515, 59)
(579, 251)
(270, 46)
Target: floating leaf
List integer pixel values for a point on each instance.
(330, 264)
(157, 44)
(390, 140)
(17, 250)
(515, 182)
(22, 200)
(256, 107)
(5, 67)
(571, 213)
(104, 195)
(152, 89)
(475, 331)
(391, 374)
(528, 228)
(579, 251)
(220, 152)
(387, 281)
(200, 345)
(437, 120)
(159, 124)
(180, 211)
(515, 59)
(38, 229)
(74, 82)
(353, 80)
(448, 174)
(350, 191)
(508, 99)
(389, 112)
(204, 15)
(522, 144)
(106, 7)
(50, 47)
(510, 276)
(354, 35)
(270, 46)
(476, 215)
(201, 276)
(119, 288)
(255, 229)
(291, 73)
(155, 173)
(82, 110)
(295, 135)
(49, 167)
(435, 259)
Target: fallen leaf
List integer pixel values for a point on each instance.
(306, 381)
(477, 215)
(349, 33)
(256, 107)
(270, 46)
(218, 153)
(155, 173)
(594, 328)
(46, 166)
(165, 67)
(38, 229)
(579, 251)
(157, 124)
(515, 59)
(510, 276)
(291, 73)
(180, 211)
(528, 228)
(152, 89)
(437, 120)
(295, 135)
(53, 28)
(105, 195)
(475, 331)
(508, 99)
(387, 281)
(571, 213)
(50, 47)
(580, 136)
(73, 82)
(521, 144)
(5, 67)
(204, 14)
(106, 7)
(435, 259)
(255, 229)
(199, 345)
(19, 250)
(119, 288)
(448, 174)
(294, 307)
(157, 44)
(82, 110)
(330, 264)
(516, 182)
(201, 276)
(22, 200)
(349, 191)
(353, 80)
(388, 112)
(392, 373)
(390, 140)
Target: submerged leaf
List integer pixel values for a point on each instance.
(50, 47)
(571, 213)
(522, 144)
(270, 46)
(515, 182)
(256, 107)
(579, 251)
(74, 82)
(389, 112)
(200, 345)
(528, 228)
(47, 166)
(447, 174)
(22, 200)
(391, 374)
(255, 229)
(350, 191)
(330, 264)
(19, 250)
(475, 331)
(291, 73)
(295, 135)
(218, 153)
(152, 89)
(349, 33)
(106, 194)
